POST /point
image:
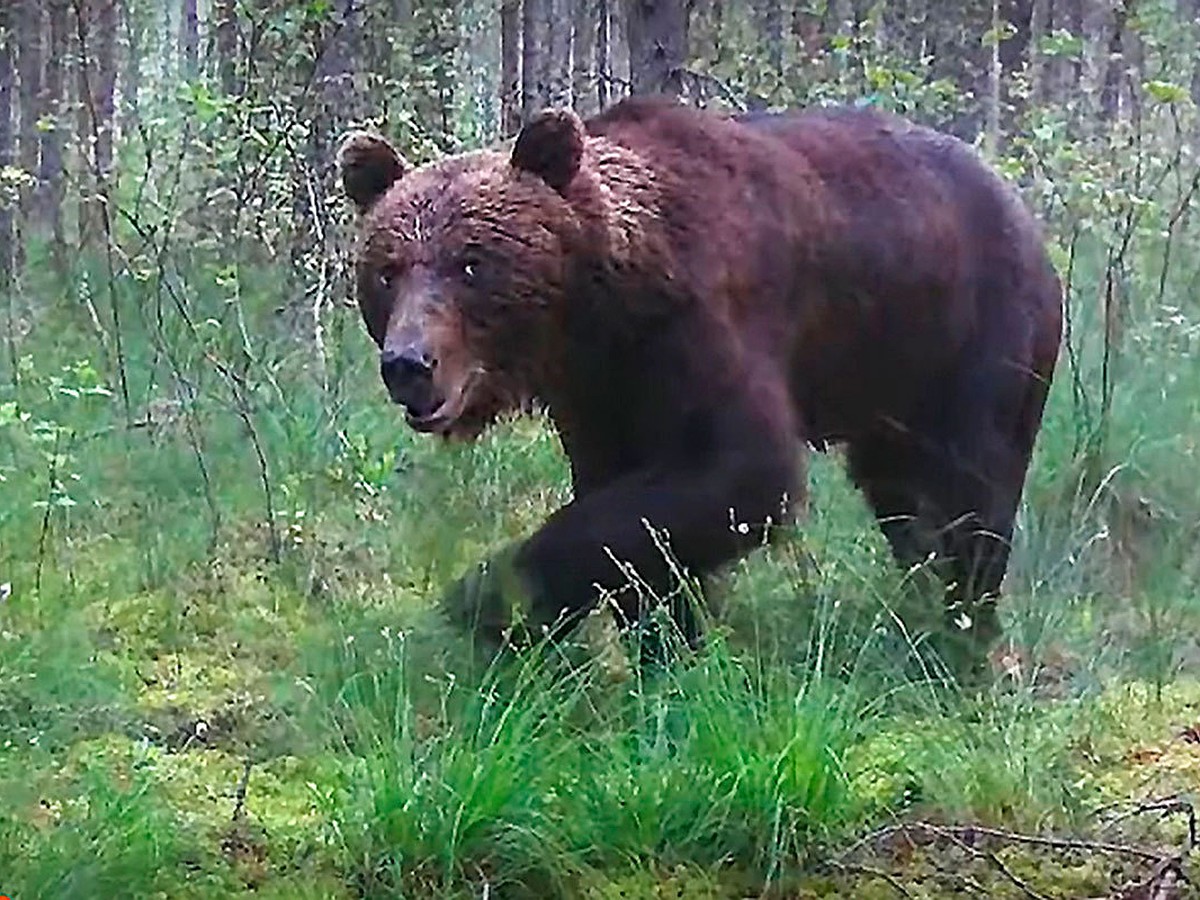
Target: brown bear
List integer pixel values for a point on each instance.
(696, 299)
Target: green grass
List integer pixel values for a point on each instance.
(159, 643)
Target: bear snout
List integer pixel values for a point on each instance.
(407, 373)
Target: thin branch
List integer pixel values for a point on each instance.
(967, 832)
(999, 866)
(1167, 867)
(104, 192)
(868, 872)
(239, 806)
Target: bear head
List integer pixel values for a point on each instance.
(461, 269)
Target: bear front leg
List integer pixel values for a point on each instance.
(704, 515)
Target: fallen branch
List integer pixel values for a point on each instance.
(868, 872)
(999, 866)
(1166, 872)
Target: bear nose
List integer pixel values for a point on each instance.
(408, 374)
(411, 362)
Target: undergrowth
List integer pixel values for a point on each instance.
(195, 703)
(220, 671)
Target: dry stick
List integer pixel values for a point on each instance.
(891, 880)
(1053, 843)
(959, 880)
(239, 806)
(952, 877)
(1165, 805)
(1000, 867)
(1166, 866)
(956, 879)
(323, 286)
(44, 532)
(958, 834)
(1171, 865)
(1078, 390)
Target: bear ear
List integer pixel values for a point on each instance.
(369, 165)
(550, 146)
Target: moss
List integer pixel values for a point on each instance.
(673, 883)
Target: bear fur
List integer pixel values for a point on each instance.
(697, 299)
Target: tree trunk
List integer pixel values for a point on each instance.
(772, 26)
(718, 31)
(1014, 49)
(435, 29)
(29, 34)
(1190, 9)
(130, 85)
(104, 90)
(604, 69)
(1062, 75)
(1039, 15)
(316, 276)
(559, 52)
(535, 93)
(618, 39)
(657, 31)
(839, 19)
(996, 73)
(510, 67)
(8, 73)
(51, 182)
(1095, 33)
(1190, 12)
(96, 27)
(227, 46)
(335, 70)
(1113, 64)
(583, 56)
(189, 39)
(952, 38)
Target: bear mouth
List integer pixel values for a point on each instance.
(443, 418)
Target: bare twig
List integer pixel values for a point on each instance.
(1169, 871)
(1167, 867)
(104, 191)
(44, 531)
(967, 832)
(868, 872)
(239, 806)
(999, 866)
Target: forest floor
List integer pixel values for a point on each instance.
(192, 704)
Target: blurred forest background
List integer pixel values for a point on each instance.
(218, 542)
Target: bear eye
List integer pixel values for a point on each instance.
(468, 267)
(470, 263)
(385, 277)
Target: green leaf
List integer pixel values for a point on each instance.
(1061, 44)
(1165, 91)
(9, 412)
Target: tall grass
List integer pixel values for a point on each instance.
(154, 604)
(235, 573)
